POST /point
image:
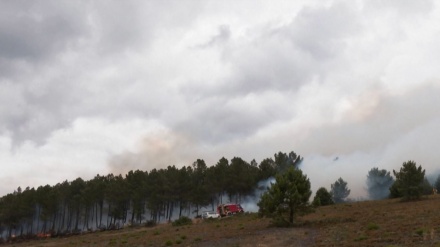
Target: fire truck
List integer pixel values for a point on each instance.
(229, 209)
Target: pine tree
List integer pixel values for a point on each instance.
(287, 197)
(409, 181)
(339, 191)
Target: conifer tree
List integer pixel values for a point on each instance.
(323, 197)
(339, 190)
(287, 197)
(409, 181)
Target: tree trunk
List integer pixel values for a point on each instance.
(64, 216)
(291, 215)
(170, 214)
(38, 217)
(54, 217)
(77, 219)
(132, 213)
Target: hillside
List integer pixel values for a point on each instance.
(369, 223)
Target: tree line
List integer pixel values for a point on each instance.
(111, 201)
(289, 196)
(410, 183)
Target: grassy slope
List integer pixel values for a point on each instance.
(370, 223)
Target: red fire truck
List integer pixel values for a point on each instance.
(229, 209)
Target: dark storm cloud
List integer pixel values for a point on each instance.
(33, 36)
(48, 51)
(63, 60)
(36, 30)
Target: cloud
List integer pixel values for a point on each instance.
(170, 82)
(36, 31)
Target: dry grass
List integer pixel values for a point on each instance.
(370, 223)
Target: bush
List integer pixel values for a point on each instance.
(420, 231)
(394, 190)
(426, 187)
(322, 198)
(281, 222)
(150, 223)
(372, 226)
(182, 221)
(361, 238)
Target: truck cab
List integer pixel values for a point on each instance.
(229, 209)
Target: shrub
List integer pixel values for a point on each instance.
(372, 226)
(420, 231)
(182, 221)
(361, 238)
(322, 198)
(281, 222)
(150, 223)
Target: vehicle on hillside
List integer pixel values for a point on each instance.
(229, 209)
(210, 215)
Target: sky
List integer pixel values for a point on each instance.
(98, 87)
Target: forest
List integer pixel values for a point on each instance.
(111, 201)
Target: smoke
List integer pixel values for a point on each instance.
(396, 128)
(156, 150)
(379, 182)
(249, 204)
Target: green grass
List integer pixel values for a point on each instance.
(420, 231)
(361, 238)
(372, 226)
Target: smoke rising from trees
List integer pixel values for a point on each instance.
(379, 183)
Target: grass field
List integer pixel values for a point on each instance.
(369, 223)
